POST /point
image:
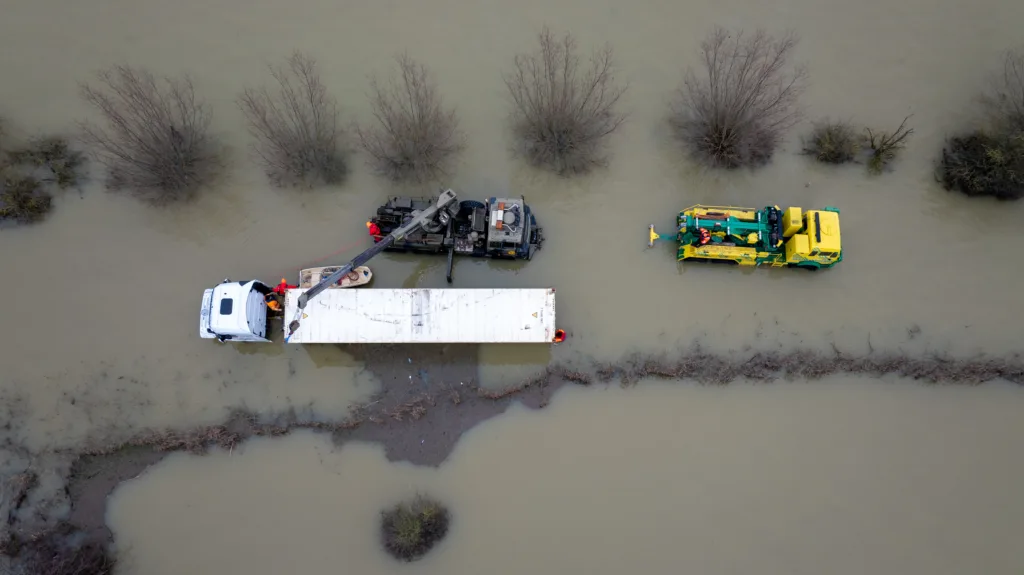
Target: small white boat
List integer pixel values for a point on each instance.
(309, 277)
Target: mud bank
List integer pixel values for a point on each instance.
(431, 396)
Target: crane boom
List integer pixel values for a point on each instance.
(444, 200)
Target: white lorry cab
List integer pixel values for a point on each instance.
(235, 311)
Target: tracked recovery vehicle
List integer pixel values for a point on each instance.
(771, 236)
(500, 228)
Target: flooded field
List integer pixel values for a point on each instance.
(102, 327)
(843, 477)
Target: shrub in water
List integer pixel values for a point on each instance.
(413, 136)
(296, 130)
(155, 142)
(736, 110)
(410, 529)
(563, 111)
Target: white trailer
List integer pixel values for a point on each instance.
(235, 311)
(424, 316)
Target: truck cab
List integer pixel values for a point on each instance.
(235, 311)
(812, 237)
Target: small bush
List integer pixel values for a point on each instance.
(736, 111)
(980, 164)
(54, 154)
(885, 146)
(51, 557)
(989, 161)
(155, 143)
(413, 136)
(833, 143)
(410, 529)
(562, 111)
(296, 130)
(22, 198)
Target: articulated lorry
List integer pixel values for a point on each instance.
(746, 236)
(335, 310)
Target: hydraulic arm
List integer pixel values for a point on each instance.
(438, 210)
(447, 198)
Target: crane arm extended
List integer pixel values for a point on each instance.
(446, 199)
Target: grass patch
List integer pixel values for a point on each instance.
(26, 173)
(410, 529)
(54, 154)
(22, 198)
(56, 552)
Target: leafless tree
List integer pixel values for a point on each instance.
(1004, 102)
(563, 111)
(155, 142)
(413, 136)
(298, 137)
(885, 145)
(736, 112)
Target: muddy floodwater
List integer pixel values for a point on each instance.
(100, 337)
(846, 476)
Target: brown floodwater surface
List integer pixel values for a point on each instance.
(845, 476)
(100, 337)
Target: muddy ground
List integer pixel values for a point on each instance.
(431, 396)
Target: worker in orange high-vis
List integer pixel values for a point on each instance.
(272, 302)
(373, 228)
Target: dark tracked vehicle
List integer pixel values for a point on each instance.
(499, 228)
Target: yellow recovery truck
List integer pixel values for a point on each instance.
(746, 236)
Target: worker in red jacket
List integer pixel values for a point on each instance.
(282, 287)
(374, 229)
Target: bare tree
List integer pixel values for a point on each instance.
(1004, 102)
(563, 112)
(884, 145)
(297, 134)
(736, 112)
(413, 135)
(156, 140)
